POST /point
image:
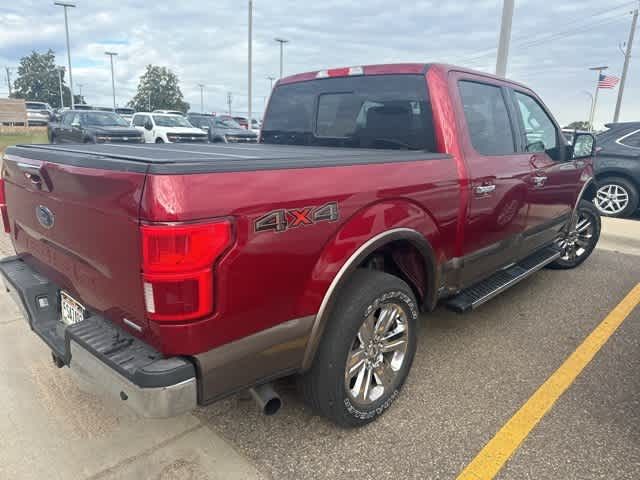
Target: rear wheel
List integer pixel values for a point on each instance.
(580, 239)
(616, 197)
(366, 352)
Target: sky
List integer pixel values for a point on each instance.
(552, 44)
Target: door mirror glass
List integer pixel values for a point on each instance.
(584, 145)
(148, 125)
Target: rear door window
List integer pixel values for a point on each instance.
(631, 140)
(488, 122)
(382, 111)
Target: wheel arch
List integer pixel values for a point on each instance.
(386, 238)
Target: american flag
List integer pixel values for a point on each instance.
(607, 81)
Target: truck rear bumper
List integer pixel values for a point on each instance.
(100, 352)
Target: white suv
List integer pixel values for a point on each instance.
(164, 128)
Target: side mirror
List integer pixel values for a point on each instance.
(148, 125)
(584, 145)
(75, 124)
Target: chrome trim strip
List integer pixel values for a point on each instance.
(317, 324)
(131, 324)
(619, 140)
(161, 402)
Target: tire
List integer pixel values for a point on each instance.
(622, 190)
(578, 245)
(326, 386)
(54, 139)
(159, 140)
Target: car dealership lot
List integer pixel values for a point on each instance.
(471, 374)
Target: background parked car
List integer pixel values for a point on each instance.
(81, 126)
(38, 113)
(165, 128)
(169, 112)
(126, 113)
(82, 106)
(617, 170)
(222, 128)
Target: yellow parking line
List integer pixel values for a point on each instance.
(503, 445)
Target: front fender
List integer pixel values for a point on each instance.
(363, 233)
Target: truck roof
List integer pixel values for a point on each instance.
(212, 158)
(385, 69)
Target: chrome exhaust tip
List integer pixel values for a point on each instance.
(267, 399)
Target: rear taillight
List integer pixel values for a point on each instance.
(177, 268)
(3, 208)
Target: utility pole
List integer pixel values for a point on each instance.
(229, 100)
(505, 38)
(592, 117)
(80, 85)
(625, 68)
(281, 41)
(60, 85)
(250, 72)
(201, 97)
(67, 5)
(8, 69)
(113, 80)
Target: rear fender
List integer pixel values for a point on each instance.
(364, 233)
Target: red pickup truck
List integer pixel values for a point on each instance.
(173, 275)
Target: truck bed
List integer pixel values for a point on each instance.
(214, 158)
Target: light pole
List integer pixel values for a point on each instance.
(66, 5)
(60, 84)
(281, 41)
(505, 38)
(592, 117)
(250, 72)
(201, 97)
(80, 85)
(113, 81)
(591, 97)
(271, 79)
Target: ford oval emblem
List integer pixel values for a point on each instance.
(45, 216)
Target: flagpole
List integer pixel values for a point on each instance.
(592, 117)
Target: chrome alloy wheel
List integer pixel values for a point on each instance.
(611, 199)
(577, 242)
(377, 354)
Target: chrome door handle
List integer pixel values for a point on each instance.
(539, 181)
(484, 189)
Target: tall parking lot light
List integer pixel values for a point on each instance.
(60, 84)
(250, 70)
(281, 41)
(201, 97)
(113, 81)
(66, 5)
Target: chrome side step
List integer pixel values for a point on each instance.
(472, 297)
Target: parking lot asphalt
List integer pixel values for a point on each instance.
(471, 374)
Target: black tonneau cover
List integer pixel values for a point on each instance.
(194, 158)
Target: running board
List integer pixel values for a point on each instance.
(474, 296)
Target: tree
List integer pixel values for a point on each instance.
(578, 125)
(38, 80)
(158, 89)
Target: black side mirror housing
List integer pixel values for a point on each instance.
(148, 126)
(584, 145)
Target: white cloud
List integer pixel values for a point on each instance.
(206, 42)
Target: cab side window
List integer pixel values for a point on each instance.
(485, 110)
(138, 120)
(540, 132)
(66, 118)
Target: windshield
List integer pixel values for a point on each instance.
(103, 119)
(36, 106)
(227, 123)
(385, 111)
(171, 121)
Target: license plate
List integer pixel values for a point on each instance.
(72, 310)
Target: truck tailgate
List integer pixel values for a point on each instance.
(79, 227)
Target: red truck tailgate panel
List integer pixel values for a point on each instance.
(92, 248)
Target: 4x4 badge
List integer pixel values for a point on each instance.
(281, 220)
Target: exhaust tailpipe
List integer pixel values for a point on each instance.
(267, 399)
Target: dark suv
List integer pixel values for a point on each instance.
(222, 128)
(617, 170)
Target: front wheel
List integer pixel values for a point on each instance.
(366, 352)
(159, 140)
(580, 238)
